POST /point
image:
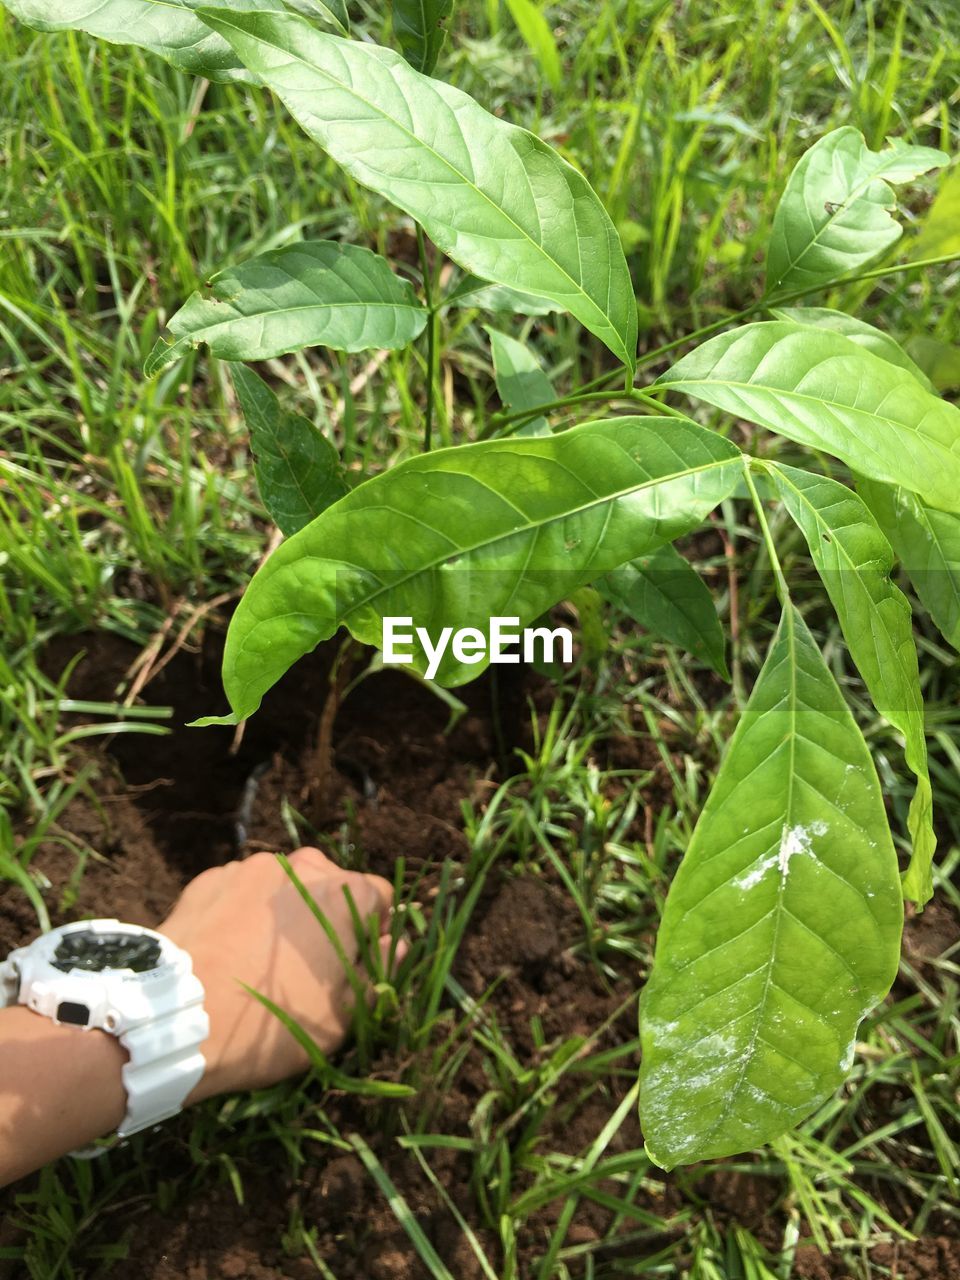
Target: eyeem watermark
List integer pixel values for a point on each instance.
(504, 642)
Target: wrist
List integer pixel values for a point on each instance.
(57, 1064)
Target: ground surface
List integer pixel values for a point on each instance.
(193, 801)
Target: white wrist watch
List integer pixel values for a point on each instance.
(134, 984)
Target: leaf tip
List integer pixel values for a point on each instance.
(205, 722)
(662, 1162)
(162, 355)
(917, 886)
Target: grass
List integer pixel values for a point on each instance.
(127, 505)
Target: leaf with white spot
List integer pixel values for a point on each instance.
(782, 925)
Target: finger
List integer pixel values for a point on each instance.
(371, 895)
(321, 878)
(392, 956)
(309, 860)
(381, 892)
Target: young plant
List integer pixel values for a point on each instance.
(782, 927)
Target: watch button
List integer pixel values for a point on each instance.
(77, 1015)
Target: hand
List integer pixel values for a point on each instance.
(245, 922)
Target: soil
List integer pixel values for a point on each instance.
(167, 807)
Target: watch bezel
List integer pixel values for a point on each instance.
(114, 1000)
(42, 953)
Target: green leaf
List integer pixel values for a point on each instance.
(298, 470)
(537, 35)
(520, 380)
(940, 232)
(497, 200)
(664, 593)
(421, 28)
(927, 543)
(333, 12)
(823, 390)
(12, 869)
(316, 293)
(858, 331)
(854, 560)
(471, 292)
(171, 30)
(835, 214)
(782, 926)
(457, 536)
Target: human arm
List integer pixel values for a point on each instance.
(242, 923)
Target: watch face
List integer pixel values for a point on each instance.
(94, 952)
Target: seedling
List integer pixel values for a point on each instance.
(782, 927)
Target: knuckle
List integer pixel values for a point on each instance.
(369, 892)
(310, 856)
(261, 862)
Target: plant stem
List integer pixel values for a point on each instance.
(902, 266)
(424, 267)
(319, 783)
(515, 420)
(590, 391)
(496, 722)
(765, 303)
(727, 528)
(783, 591)
(432, 321)
(523, 415)
(646, 397)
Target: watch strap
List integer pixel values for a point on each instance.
(165, 1063)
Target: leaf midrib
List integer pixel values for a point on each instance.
(683, 384)
(531, 526)
(845, 206)
(779, 909)
(288, 311)
(350, 91)
(534, 525)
